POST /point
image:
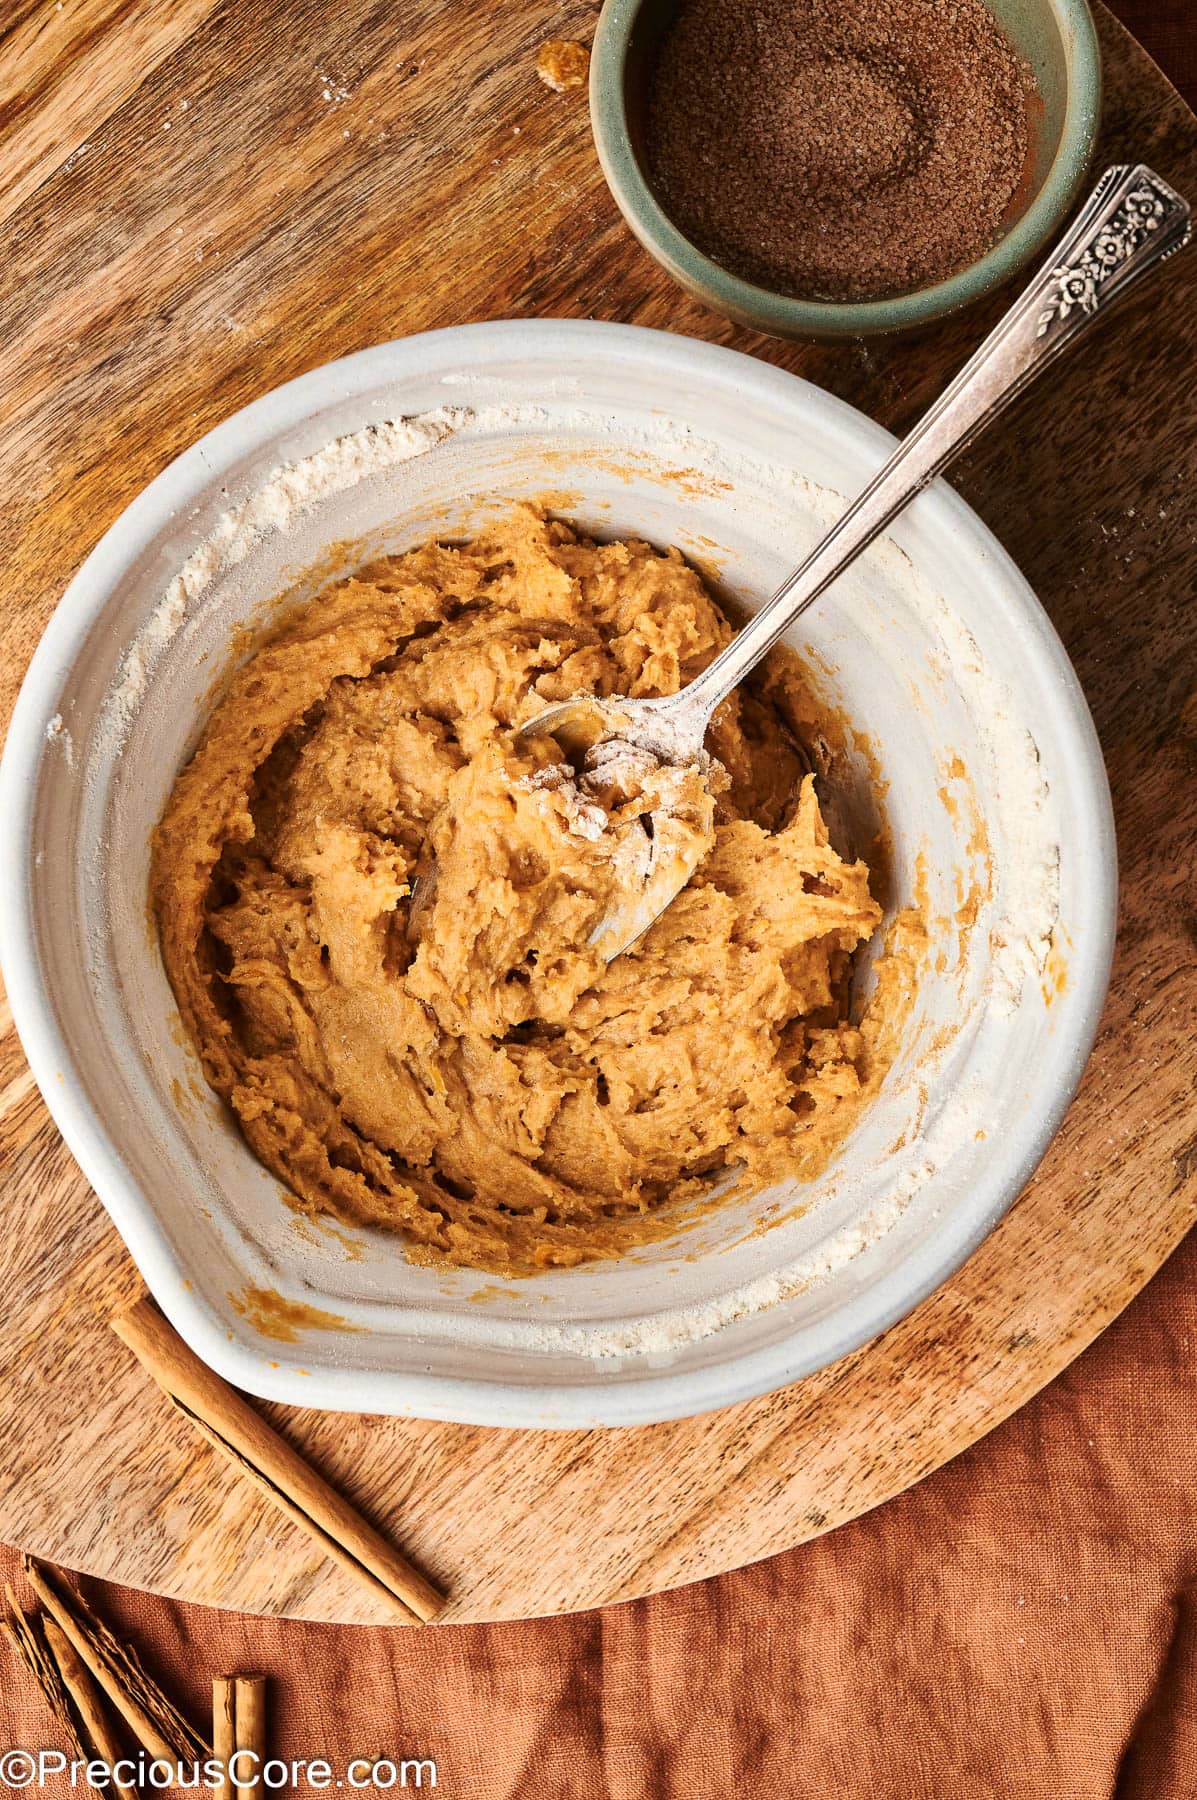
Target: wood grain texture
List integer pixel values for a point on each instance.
(163, 278)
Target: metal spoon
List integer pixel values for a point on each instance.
(1132, 221)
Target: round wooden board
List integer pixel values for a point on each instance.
(156, 279)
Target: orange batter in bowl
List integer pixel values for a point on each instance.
(484, 1084)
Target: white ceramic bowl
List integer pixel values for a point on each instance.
(934, 645)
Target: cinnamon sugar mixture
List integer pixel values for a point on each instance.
(838, 149)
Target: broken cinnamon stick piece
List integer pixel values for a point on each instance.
(231, 1425)
(30, 1646)
(77, 1681)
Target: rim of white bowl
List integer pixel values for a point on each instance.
(244, 1359)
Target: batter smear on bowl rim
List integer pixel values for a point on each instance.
(476, 1078)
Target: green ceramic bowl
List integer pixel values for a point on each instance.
(1056, 37)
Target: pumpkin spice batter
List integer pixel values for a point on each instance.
(475, 1077)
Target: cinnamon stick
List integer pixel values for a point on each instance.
(224, 1731)
(335, 1551)
(83, 1691)
(231, 1425)
(251, 1726)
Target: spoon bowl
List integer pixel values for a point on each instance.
(588, 728)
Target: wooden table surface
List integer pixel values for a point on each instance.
(251, 191)
(1165, 30)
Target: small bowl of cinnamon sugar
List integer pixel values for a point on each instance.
(839, 168)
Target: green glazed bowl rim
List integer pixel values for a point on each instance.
(781, 313)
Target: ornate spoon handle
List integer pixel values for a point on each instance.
(1132, 221)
